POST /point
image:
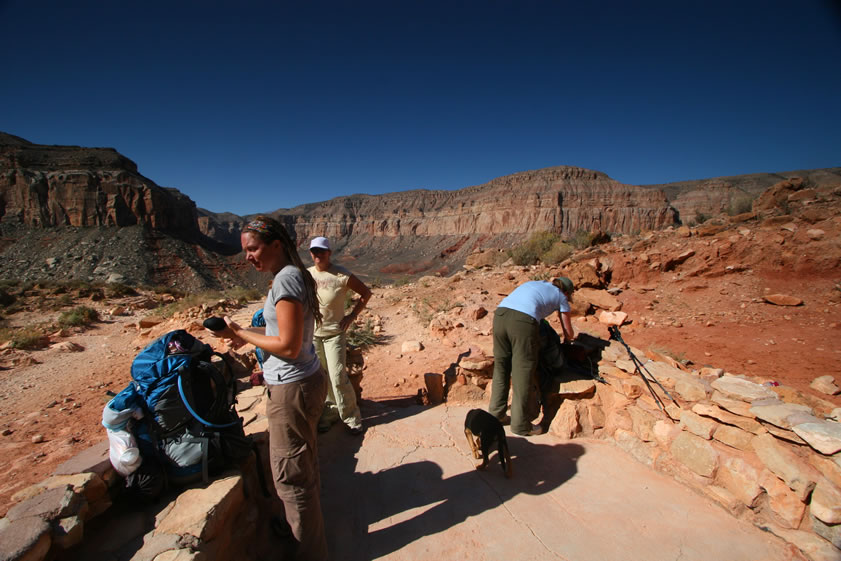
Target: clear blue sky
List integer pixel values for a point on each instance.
(251, 106)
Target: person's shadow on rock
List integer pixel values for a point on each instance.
(392, 508)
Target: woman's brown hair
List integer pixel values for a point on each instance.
(268, 229)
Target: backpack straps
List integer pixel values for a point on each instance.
(192, 411)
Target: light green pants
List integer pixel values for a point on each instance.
(341, 397)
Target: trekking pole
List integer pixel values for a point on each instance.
(639, 368)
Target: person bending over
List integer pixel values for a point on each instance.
(516, 343)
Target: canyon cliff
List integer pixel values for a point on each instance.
(69, 212)
(46, 186)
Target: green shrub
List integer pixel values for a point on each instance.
(363, 336)
(583, 239)
(78, 316)
(534, 249)
(557, 253)
(63, 301)
(25, 338)
(524, 255)
(740, 204)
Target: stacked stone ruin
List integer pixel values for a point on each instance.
(765, 453)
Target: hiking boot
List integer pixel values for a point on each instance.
(533, 431)
(356, 431)
(536, 430)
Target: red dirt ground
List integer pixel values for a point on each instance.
(51, 410)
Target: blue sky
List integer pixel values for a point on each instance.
(252, 106)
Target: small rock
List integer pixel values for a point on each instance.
(783, 300)
(68, 347)
(825, 384)
(815, 233)
(613, 318)
(37, 439)
(411, 347)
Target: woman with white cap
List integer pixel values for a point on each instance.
(333, 282)
(516, 339)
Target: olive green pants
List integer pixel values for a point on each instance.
(516, 348)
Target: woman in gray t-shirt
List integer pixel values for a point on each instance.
(297, 386)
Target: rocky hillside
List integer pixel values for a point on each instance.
(710, 197)
(68, 212)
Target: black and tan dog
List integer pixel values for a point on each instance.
(483, 430)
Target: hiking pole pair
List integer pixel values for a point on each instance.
(639, 368)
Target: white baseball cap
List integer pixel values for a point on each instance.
(320, 242)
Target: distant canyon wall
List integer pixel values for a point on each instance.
(69, 186)
(561, 199)
(46, 186)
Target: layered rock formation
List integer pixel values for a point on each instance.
(43, 186)
(432, 230)
(562, 199)
(397, 233)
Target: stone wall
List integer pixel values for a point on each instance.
(80, 512)
(766, 454)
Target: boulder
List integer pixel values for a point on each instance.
(826, 385)
(598, 298)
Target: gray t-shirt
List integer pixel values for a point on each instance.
(289, 283)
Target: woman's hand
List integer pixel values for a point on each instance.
(230, 332)
(346, 322)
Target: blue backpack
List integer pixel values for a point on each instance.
(179, 407)
(257, 320)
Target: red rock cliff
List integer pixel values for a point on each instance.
(561, 199)
(71, 186)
